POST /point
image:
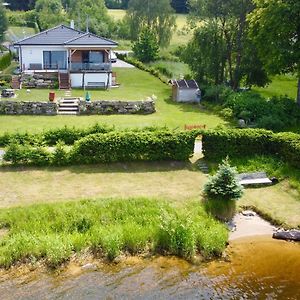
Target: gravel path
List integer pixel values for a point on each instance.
(122, 64)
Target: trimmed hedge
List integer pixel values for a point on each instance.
(217, 144)
(68, 135)
(107, 147)
(130, 146)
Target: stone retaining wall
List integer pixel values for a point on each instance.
(98, 107)
(27, 108)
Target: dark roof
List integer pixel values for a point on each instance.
(185, 84)
(63, 35)
(90, 39)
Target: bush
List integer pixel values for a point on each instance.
(5, 61)
(221, 190)
(60, 156)
(130, 146)
(218, 144)
(26, 154)
(224, 185)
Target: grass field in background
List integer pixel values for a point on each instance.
(280, 85)
(15, 33)
(180, 35)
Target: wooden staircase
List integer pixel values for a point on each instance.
(68, 106)
(64, 81)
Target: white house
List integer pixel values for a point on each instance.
(80, 58)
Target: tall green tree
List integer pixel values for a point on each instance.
(92, 13)
(49, 13)
(157, 15)
(224, 23)
(275, 30)
(146, 47)
(3, 21)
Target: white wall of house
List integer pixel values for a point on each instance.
(77, 78)
(34, 54)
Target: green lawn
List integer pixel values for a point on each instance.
(177, 69)
(280, 85)
(135, 85)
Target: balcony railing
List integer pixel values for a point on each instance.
(90, 66)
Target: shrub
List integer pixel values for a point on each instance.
(218, 144)
(26, 154)
(220, 190)
(5, 60)
(224, 185)
(60, 156)
(129, 146)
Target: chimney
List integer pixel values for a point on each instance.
(72, 25)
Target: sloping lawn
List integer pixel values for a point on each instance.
(280, 85)
(15, 33)
(135, 85)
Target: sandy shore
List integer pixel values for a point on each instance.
(250, 224)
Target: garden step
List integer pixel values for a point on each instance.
(67, 108)
(203, 167)
(67, 113)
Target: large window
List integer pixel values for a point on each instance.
(93, 57)
(54, 60)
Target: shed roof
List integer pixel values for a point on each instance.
(185, 84)
(64, 35)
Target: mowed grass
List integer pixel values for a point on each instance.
(53, 232)
(135, 85)
(280, 85)
(176, 182)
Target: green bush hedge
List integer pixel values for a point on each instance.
(130, 146)
(68, 135)
(217, 144)
(107, 147)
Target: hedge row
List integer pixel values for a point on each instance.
(247, 142)
(68, 135)
(108, 147)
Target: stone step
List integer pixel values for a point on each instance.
(68, 104)
(67, 108)
(67, 113)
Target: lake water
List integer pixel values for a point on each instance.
(253, 269)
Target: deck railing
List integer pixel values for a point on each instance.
(90, 66)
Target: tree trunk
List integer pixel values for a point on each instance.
(298, 91)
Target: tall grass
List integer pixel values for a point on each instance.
(53, 232)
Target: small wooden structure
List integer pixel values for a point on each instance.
(185, 91)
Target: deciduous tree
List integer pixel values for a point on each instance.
(3, 21)
(275, 30)
(157, 15)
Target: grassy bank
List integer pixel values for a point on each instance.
(280, 85)
(53, 232)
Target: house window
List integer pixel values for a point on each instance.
(54, 60)
(94, 57)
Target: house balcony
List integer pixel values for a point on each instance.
(90, 67)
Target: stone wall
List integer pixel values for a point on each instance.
(27, 108)
(98, 107)
(46, 80)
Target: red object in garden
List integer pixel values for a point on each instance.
(51, 96)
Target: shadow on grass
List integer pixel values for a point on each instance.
(118, 167)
